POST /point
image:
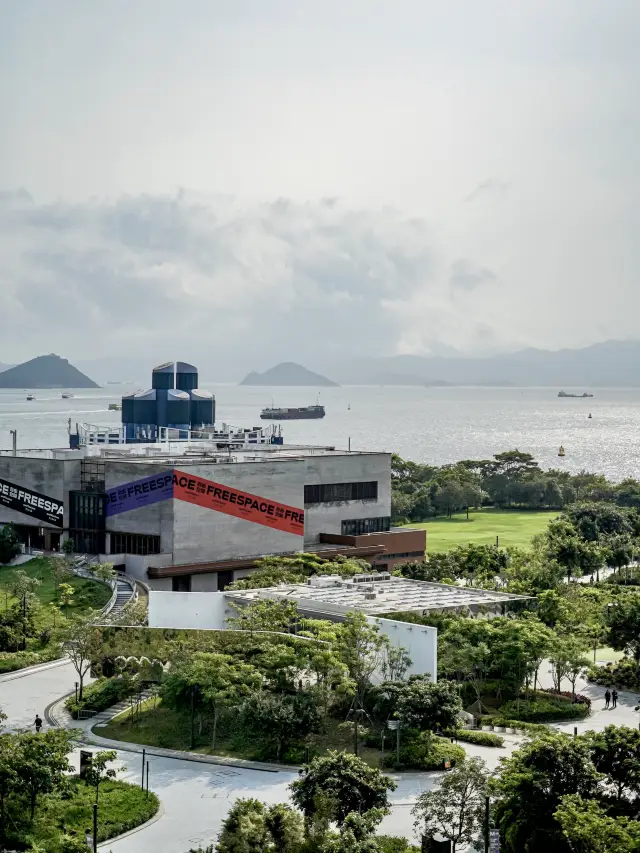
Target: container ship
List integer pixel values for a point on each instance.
(272, 413)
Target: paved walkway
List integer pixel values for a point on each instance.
(196, 795)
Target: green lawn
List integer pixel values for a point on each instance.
(512, 527)
(121, 807)
(89, 595)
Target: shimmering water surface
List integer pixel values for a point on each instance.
(428, 425)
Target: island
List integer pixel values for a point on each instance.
(45, 371)
(289, 373)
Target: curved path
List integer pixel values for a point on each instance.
(196, 796)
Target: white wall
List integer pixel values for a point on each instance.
(420, 641)
(208, 610)
(187, 610)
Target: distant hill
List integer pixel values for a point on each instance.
(288, 373)
(45, 371)
(609, 364)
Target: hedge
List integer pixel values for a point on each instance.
(581, 698)
(12, 661)
(425, 752)
(102, 694)
(541, 710)
(477, 738)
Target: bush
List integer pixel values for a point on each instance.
(478, 738)
(425, 752)
(624, 674)
(545, 710)
(102, 694)
(568, 695)
(488, 720)
(12, 661)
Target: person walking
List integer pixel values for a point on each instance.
(38, 723)
(607, 699)
(614, 697)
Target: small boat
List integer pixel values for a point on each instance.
(590, 415)
(30, 397)
(67, 395)
(114, 407)
(561, 451)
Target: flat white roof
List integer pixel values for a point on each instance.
(376, 595)
(184, 453)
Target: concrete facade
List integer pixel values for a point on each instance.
(181, 533)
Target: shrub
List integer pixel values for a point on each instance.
(102, 694)
(478, 738)
(541, 710)
(488, 720)
(12, 661)
(425, 752)
(624, 674)
(567, 694)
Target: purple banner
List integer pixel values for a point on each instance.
(139, 493)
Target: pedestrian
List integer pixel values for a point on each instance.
(607, 699)
(38, 723)
(614, 696)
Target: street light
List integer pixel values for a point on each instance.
(394, 725)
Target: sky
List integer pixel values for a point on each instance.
(312, 180)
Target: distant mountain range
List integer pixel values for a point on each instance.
(288, 373)
(45, 371)
(609, 364)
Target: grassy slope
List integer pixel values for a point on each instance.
(89, 595)
(122, 806)
(511, 526)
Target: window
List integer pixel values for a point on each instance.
(358, 526)
(405, 554)
(87, 522)
(224, 579)
(134, 543)
(336, 492)
(181, 584)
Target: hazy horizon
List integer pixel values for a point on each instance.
(256, 183)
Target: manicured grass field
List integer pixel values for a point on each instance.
(512, 527)
(89, 595)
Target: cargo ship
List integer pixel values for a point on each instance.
(575, 396)
(301, 413)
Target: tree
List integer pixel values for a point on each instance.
(360, 647)
(97, 772)
(623, 620)
(42, 762)
(588, 828)
(356, 834)
(616, 753)
(103, 571)
(223, 681)
(456, 808)
(60, 571)
(568, 660)
(24, 589)
(530, 789)
(343, 780)
(84, 644)
(252, 827)
(66, 592)
(9, 544)
(279, 717)
(424, 705)
(276, 616)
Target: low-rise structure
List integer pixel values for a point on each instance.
(196, 515)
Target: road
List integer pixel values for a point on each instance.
(196, 797)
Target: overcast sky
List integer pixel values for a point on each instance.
(277, 179)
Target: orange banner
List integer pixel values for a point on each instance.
(205, 493)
